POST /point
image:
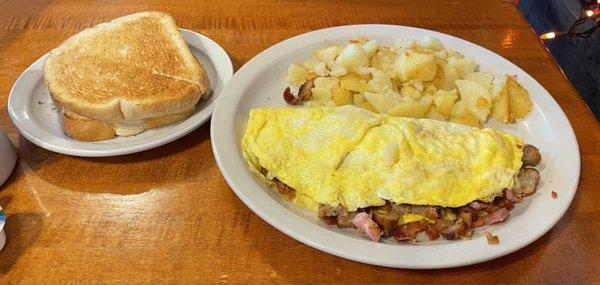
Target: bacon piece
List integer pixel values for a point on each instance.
(363, 222)
(305, 91)
(289, 97)
(496, 217)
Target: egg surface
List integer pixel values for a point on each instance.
(350, 156)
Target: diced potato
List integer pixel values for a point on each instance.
(463, 66)
(476, 97)
(417, 84)
(410, 91)
(327, 82)
(365, 71)
(483, 78)
(434, 114)
(519, 102)
(310, 64)
(445, 77)
(430, 88)
(338, 70)
(416, 65)
(341, 96)
(385, 60)
(353, 82)
(455, 54)
(382, 102)
(431, 43)
(370, 47)
(461, 115)
(444, 101)
(443, 54)
(358, 99)
(500, 110)
(321, 69)
(359, 40)
(409, 107)
(327, 55)
(403, 43)
(467, 120)
(320, 94)
(381, 83)
(367, 106)
(323, 87)
(352, 56)
(296, 75)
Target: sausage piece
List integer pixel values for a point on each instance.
(531, 155)
(528, 180)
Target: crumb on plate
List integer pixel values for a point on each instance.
(492, 239)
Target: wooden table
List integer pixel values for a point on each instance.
(167, 216)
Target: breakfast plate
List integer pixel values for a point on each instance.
(259, 83)
(33, 113)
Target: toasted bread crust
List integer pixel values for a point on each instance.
(132, 68)
(85, 129)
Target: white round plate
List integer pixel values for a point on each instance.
(260, 83)
(32, 111)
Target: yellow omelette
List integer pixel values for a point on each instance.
(356, 158)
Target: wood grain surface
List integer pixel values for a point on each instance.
(167, 215)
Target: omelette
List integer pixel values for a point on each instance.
(355, 162)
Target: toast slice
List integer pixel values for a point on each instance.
(134, 68)
(86, 129)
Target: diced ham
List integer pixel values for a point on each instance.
(363, 222)
(512, 196)
(475, 205)
(496, 217)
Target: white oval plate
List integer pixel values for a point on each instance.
(32, 111)
(260, 82)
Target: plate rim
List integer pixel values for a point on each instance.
(138, 147)
(219, 156)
